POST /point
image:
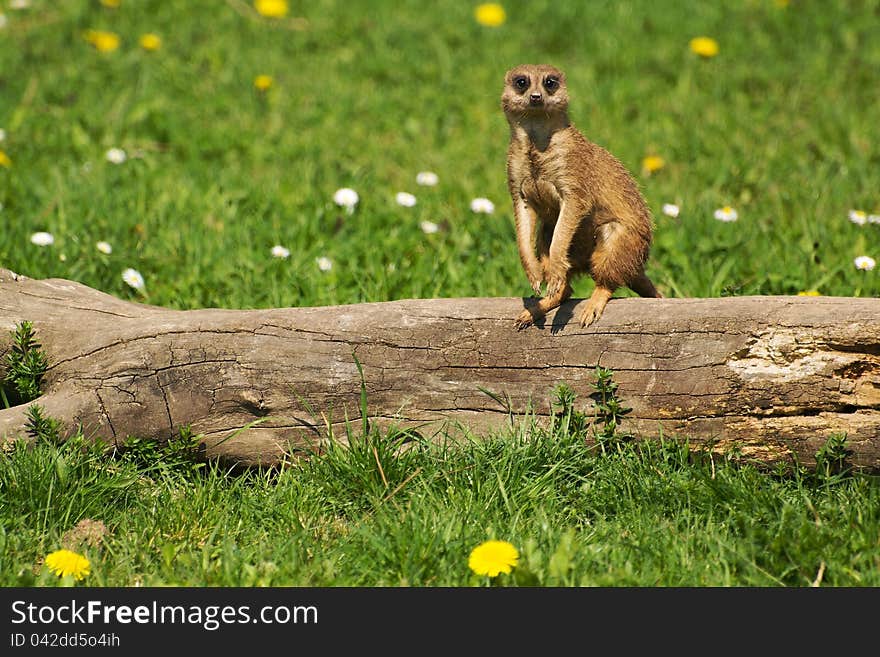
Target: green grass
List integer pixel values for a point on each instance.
(780, 125)
(651, 514)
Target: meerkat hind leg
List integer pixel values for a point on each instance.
(531, 315)
(596, 304)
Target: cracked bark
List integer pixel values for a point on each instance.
(769, 377)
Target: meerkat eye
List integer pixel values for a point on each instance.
(521, 82)
(551, 83)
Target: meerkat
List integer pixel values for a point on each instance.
(577, 209)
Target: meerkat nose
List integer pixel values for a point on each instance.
(535, 98)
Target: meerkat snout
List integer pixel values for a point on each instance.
(536, 99)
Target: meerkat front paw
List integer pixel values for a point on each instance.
(535, 275)
(556, 275)
(555, 285)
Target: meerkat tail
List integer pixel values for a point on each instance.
(644, 287)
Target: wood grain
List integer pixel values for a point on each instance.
(770, 377)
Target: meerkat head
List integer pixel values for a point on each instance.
(534, 89)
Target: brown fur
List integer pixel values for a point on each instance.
(577, 208)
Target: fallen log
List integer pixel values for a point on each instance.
(771, 377)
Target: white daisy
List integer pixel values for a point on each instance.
(104, 247)
(874, 218)
(2, 131)
(671, 210)
(133, 278)
(19, 4)
(482, 205)
(346, 198)
(42, 239)
(279, 251)
(427, 178)
(324, 263)
(865, 263)
(858, 217)
(726, 213)
(429, 227)
(405, 199)
(116, 155)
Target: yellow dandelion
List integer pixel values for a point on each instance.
(4, 160)
(490, 14)
(493, 557)
(113, 4)
(65, 562)
(263, 82)
(271, 8)
(653, 163)
(102, 41)
(809, 293)
(150, 42)
(704, 46)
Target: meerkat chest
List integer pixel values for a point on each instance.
(539, 188)
(541, 195)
